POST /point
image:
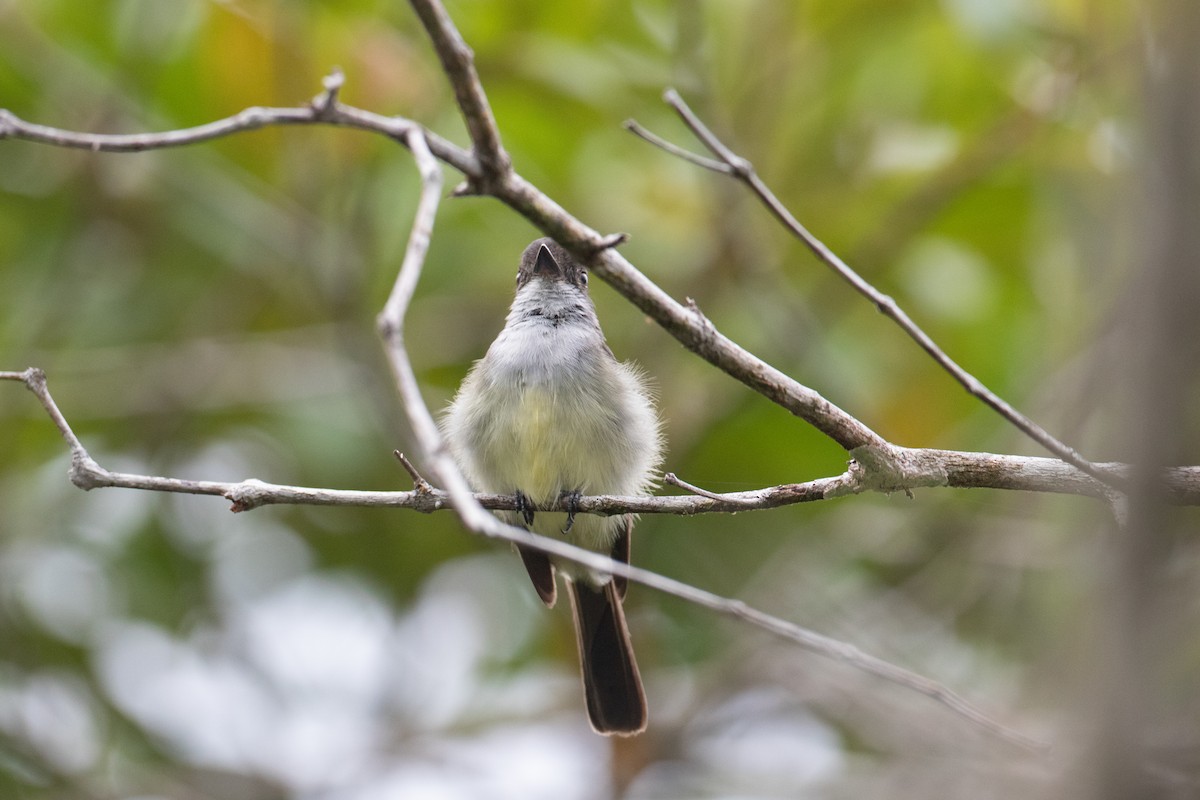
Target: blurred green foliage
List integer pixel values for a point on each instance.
(208, 313)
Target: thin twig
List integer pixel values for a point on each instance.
(679, 152)
(324, 109)
(743, 170)
(674, 480)
(419, 483)
(35, 381)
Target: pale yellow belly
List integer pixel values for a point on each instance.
(549, 447)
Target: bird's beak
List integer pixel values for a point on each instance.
(545, 266)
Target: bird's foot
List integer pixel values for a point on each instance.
(570, 501)
(524, 507)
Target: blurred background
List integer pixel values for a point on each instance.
(208, 313)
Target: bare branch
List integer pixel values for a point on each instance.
(743, 170)
(687, 155)
(35, 381)
(419, 483)
(674, 480)
(458, 62)
(922, 469)
(324, 109)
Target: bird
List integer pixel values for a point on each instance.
(549, 414)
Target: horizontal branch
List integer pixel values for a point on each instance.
(923, 468)
(967, 470)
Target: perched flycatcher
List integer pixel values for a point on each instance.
(548, 414)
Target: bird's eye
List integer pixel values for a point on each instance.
(583, 277)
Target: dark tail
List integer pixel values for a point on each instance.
(615, 700)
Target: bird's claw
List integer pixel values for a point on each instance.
(570, 501)
(524, 507)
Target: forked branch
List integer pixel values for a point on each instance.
(734, 165)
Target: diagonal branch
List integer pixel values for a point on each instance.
(458, 62)
(730, 163)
